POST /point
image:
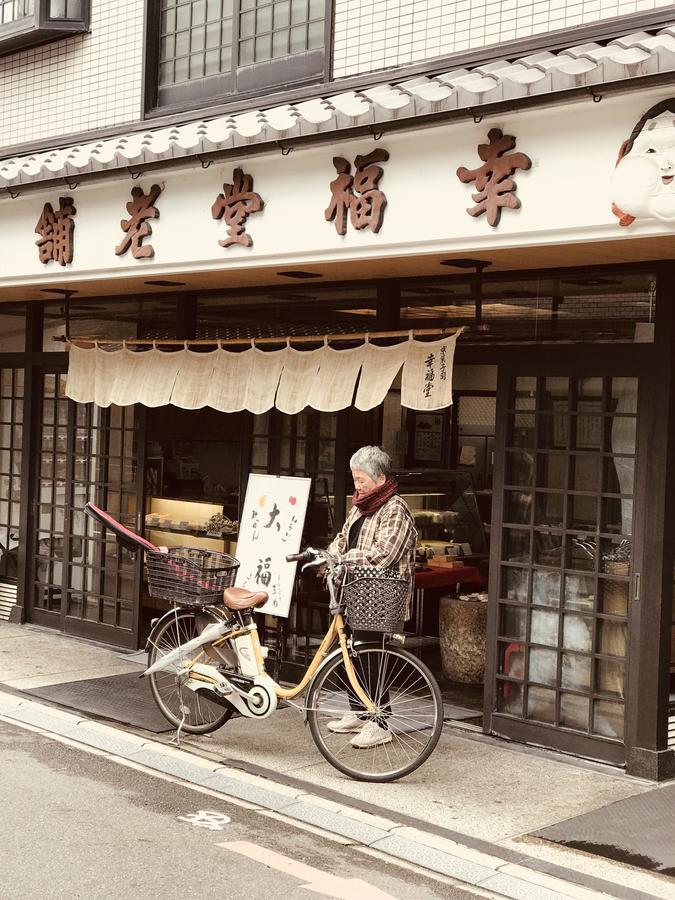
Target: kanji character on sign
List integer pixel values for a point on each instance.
(236, 203)
(429, 375)
(56, 230)
(496, 189)
(358, 194)
(140, 209)
(273, 515)
(263, 573)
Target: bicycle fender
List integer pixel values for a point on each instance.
(156, 625)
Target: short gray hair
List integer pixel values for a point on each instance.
(371, 460)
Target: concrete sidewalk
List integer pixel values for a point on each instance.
(486, 795)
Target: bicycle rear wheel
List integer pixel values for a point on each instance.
(192, 712)
(409, 710)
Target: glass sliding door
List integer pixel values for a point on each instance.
(11, 424)
(83, 582)
(562, 555)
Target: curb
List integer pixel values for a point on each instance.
(488, 867)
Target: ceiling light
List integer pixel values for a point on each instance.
(298, 273)
(62, 292)
(160, 282)
(466, 263)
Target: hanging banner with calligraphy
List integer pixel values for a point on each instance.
(427, 374)
(258, 380)
(270, 528)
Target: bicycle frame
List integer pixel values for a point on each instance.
(246, 646)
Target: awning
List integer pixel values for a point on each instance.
(256, 380)
(544, 74)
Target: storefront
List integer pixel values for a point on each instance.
(548, 479)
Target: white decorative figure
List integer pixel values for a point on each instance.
(643, 186)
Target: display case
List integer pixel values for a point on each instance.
(180, 523)
(446, 512)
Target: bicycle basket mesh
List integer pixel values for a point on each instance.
(190, 577)
(376, 599)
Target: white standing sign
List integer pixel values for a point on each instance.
(271, 528)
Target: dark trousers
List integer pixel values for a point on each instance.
(368, 675)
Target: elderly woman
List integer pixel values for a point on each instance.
(379, 532)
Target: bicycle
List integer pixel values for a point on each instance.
(205, 660)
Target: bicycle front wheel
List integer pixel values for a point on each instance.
(191, 712)
(395, 738)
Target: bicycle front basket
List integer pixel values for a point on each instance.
(190, 577)
(376, 599)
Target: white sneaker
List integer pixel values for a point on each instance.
(371, 735)
(349, 722)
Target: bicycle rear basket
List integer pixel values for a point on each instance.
(376, 599)
(190, 577)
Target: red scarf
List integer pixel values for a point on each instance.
(376, 498)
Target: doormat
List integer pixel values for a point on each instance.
(639, 831)
(122, 698)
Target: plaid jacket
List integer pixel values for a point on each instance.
(388, 539)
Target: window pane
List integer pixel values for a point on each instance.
(541, 705)
(213, 35)
(212, 62)
(612, 638)
(298, 39)
(280, 44)
(247, 25)
(263, 48)
(608, 719)
(246, 53)
(197, 66)
(197, 39)
(576, 672)
(613, 597)
(282, 13)
(298, 11)
(182, 43)
(315, 35)
(543, 630)
(198, 12)
(577, 631)
(182, 18)
(609, 677)
(574, 711)
(264, 20)
(515, 583)
(513, 622)
(546, 588)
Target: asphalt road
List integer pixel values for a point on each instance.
(77, 825)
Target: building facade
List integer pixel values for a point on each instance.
(219, 172)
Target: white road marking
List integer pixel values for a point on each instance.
(206, 818)
(316, 880)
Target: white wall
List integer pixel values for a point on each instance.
(565, 196)
(76, 84)
(375, 34)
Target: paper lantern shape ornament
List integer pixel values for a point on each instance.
(643, 186)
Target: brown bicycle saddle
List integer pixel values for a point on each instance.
(240, 598)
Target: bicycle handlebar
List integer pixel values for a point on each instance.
(305, 556)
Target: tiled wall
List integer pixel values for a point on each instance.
(75, 84)
(375, 34)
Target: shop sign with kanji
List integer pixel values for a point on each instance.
(496, 189)
(271, 528)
